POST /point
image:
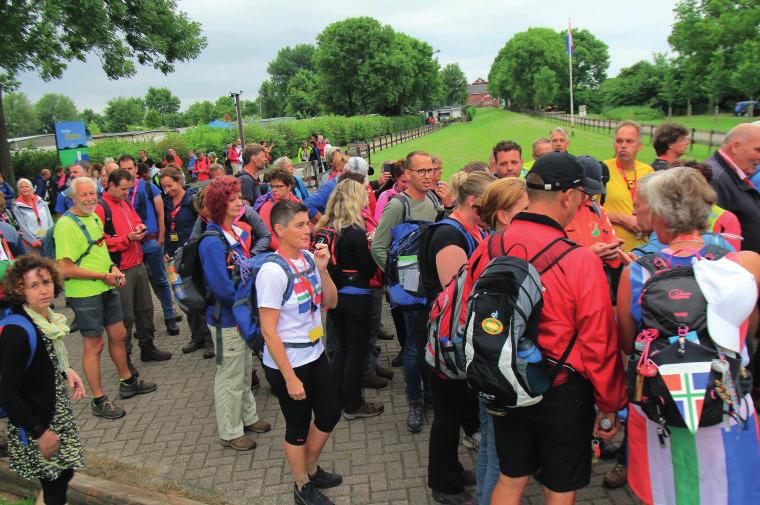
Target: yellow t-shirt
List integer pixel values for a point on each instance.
(620, 198)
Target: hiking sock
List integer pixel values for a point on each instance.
(128, 382)
(99, 400)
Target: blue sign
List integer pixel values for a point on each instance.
(70, 134)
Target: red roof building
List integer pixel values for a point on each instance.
(477, 95)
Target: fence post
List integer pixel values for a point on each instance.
(710, 146)
(691, 145)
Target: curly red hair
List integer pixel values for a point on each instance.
(218, 195)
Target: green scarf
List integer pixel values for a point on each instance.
(53, 328)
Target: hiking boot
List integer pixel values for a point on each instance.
(208, 352)
(152, 353)
(325, 480)
(131, 367)
(463, 498)
(608, 450)
(258, 427)
(398, 360)
(375, 382)
(106, 409)
(415, 417)
(255, 382)
(138, 387)
(171, 327)
(366, 409)
(385, 373)
(310, 495)
(383, 334)
(616, 477)
(192, 347)
(378, 350)
(472, 441)
(241, 443)
(178, 318)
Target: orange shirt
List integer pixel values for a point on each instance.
(591, 225)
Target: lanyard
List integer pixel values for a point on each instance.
(134, 193)
(246, 247)
(631, 185)
(307, 284)
(173, 214)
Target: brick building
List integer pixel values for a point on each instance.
(477, 95)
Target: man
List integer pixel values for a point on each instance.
(541, 146)
(173, 157)
(335, 158)
(11, 244)
(317, 202)
(234, 152)
(670, 142)
(124, 233)
(736, 161)
(419, 167)
(551, 438)
(91, 277)
(506, 159)
(63, 201)
(145, 159)
(146, 200)
(559, 139)
(254, 160)
(41, 184)
(441, 188)
(625, 171)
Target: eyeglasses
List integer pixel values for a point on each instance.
(424, 171)
(278, 186)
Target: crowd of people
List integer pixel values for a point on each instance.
(647, 277)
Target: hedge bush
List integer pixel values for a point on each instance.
(285, 136)
(634, 112)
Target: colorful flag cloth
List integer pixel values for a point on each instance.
(687, 384)
(714, 466)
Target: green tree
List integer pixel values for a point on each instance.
(454, 84)
(161, 100)
(89, 117)
(152, 118)
(714, 81)
(54, 107)
(288, 62)
(122, 112)
(47, 35)
(269, 102)
(302, 99)
(249, 108)
(545, 87)
(174, 120)
(19, 115)
(746, 78)
(200, 113)
(225, 105)
(669, 88)
(638, 84)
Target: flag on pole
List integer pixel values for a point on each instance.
(569, 40)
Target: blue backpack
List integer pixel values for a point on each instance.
(48, 242)
(245, 308)
(402, 267)
(9, 317)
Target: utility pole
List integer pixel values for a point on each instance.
(236, 96)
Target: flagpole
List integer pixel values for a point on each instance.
(570, 65)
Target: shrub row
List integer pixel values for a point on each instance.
(286, 137)
(634, 112)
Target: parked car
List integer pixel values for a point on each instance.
(743, 108)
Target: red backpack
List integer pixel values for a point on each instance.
(444, 351)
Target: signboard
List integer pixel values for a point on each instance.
(70, 134)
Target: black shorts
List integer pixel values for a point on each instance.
(93, 313)
(552, 439)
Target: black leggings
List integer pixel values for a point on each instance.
(321, 398)
(398, 323)
(54, 491)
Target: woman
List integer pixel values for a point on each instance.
(233, 399)
(43, 441)
(502, 201)
(32, 214)
(673, 471)
(6, 215)
(451, 243)
(200, 169)
(294, 355)
(401, 179)
(280, 182)
(351, 269)
(336, 160)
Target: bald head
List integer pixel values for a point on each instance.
(742, 144)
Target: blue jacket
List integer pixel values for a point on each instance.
(300, 189)
(8, 193)
(145, 207)
(317, 203)
(218, 277)
(63, 202)
(13, 238)
(40, 187)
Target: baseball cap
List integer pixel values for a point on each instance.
(359, 165)
(592, 175)
(559, 171)
(731, 294)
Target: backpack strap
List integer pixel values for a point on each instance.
(405, 203)
(471, 245)
(81, 225)
(31, 332)
(108, 227)
(552, 254)
(496, 245)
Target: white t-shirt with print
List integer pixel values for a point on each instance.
(292, 325)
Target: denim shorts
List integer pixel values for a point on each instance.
(93, 313)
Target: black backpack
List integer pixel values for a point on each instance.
(674, 366)
(187, 263)
(503, 313)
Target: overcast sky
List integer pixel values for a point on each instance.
(243, 36)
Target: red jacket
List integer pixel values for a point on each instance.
(576, 300)
(233, 155)
(127, 253)
(201, 169)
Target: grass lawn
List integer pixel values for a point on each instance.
(462, 143)
(28, 501)
(705, 122)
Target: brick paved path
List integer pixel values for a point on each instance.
(172, 434)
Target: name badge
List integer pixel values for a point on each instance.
(173, 237)
(41, 233)
(316, 333)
